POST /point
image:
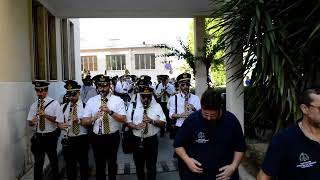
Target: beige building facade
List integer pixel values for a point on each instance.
(139, 60)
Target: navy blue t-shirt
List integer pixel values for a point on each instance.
(212, 144)
(292, 155)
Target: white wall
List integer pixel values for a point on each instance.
(16, 90)
(76, 24)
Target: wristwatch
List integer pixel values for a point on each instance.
(153, 122)
(111, 112)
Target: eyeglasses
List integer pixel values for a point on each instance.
(74, 93)
(144, 96)
(39, 90)
(105, 86)
(184, 84)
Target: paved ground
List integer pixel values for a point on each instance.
(166, 166)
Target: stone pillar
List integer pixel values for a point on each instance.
(235, 88)
(201, 73)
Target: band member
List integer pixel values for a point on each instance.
(181, 105)
(122, 87)
(42, 116)
(106, 112)
(86, 88)
(75, 143)
(164, 91)
(145, 119)
(143, 80)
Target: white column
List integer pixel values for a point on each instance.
(201, 73)
(235, 89)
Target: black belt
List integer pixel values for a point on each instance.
(45, 134)
(106, 134)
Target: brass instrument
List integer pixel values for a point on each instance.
(163, 93)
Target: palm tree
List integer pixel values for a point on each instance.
(212, 47)
(280, 40)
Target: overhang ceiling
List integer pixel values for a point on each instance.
(130, 8)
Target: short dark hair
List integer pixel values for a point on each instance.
(210, 100)
(304, 97)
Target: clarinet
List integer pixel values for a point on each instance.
(66, 136)
(145, 107)
(165, 95)
(100, 122)
(100, 127)
(37, 123)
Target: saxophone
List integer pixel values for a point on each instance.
(163, 94)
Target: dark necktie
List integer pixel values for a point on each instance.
(105, 118)
(75, 125)
(42, 122)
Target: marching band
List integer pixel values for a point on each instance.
(93, 114)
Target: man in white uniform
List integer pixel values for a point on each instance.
(181, 105)
(145, 118)
(75, 143)
(106, 112)
(86, 89)
(163, 92)
(42, 116)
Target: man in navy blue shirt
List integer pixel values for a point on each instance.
(210, 142)
(294, 153)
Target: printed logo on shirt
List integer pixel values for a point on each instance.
(305, 161)
(201, 138)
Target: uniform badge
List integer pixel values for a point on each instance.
(69, 86)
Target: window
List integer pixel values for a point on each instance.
(116, 62)
(67, 49)
(52, 47)
(89, 63)
(44, 43)
(39, 20)
(72, 57)
(145, 61)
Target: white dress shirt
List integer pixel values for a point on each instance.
(66, 119)
(193, 99)
(168, 87)
(122, 87)
(114, 103)
(87, 92)
(154, 112)
(52, 110)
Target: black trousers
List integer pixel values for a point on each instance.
(181, 165)
(75, 150)
(105, 149)
(169, 121)
(42, 144)
(146, 156)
